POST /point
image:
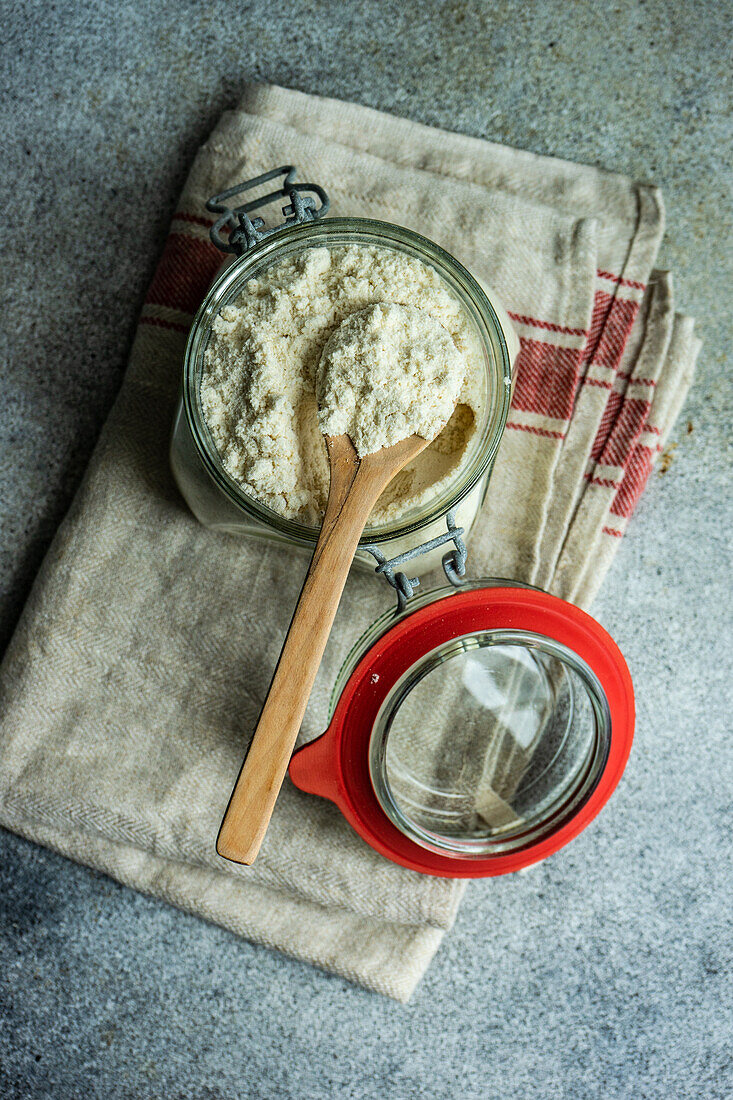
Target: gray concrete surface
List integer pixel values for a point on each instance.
(604, 972)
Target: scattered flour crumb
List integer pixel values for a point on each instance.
(261, 370)
(386, 373)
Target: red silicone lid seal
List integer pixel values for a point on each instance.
(336, 765)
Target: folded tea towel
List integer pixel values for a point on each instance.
(147, 643)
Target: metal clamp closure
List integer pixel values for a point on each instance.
(454, 562)
(245, 232)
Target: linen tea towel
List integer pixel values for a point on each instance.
(147, 644)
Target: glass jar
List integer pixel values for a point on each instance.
(219, 502)
(476, 732)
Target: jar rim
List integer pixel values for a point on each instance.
(392, 615)
(357, 231)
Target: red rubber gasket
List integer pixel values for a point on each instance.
(336, 765)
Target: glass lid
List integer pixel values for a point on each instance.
(476, 732)
(489, 742)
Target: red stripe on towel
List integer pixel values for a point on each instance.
(620, 280)
(603, 482)
(547, 378)
(535, 431)
(619, 315)
(625, 432)
(636, 474)
(182, 277)
(549, 326)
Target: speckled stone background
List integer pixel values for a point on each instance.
(603, 972)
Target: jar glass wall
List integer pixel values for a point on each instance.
(219, 502)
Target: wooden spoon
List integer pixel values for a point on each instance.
(356, 485)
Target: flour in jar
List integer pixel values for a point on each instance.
(386, 373)
(378, 338)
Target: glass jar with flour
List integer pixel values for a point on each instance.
(246, 450)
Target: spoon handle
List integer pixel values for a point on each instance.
(355, 487)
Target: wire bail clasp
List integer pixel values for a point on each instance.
(454, 562)
(245, 232)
